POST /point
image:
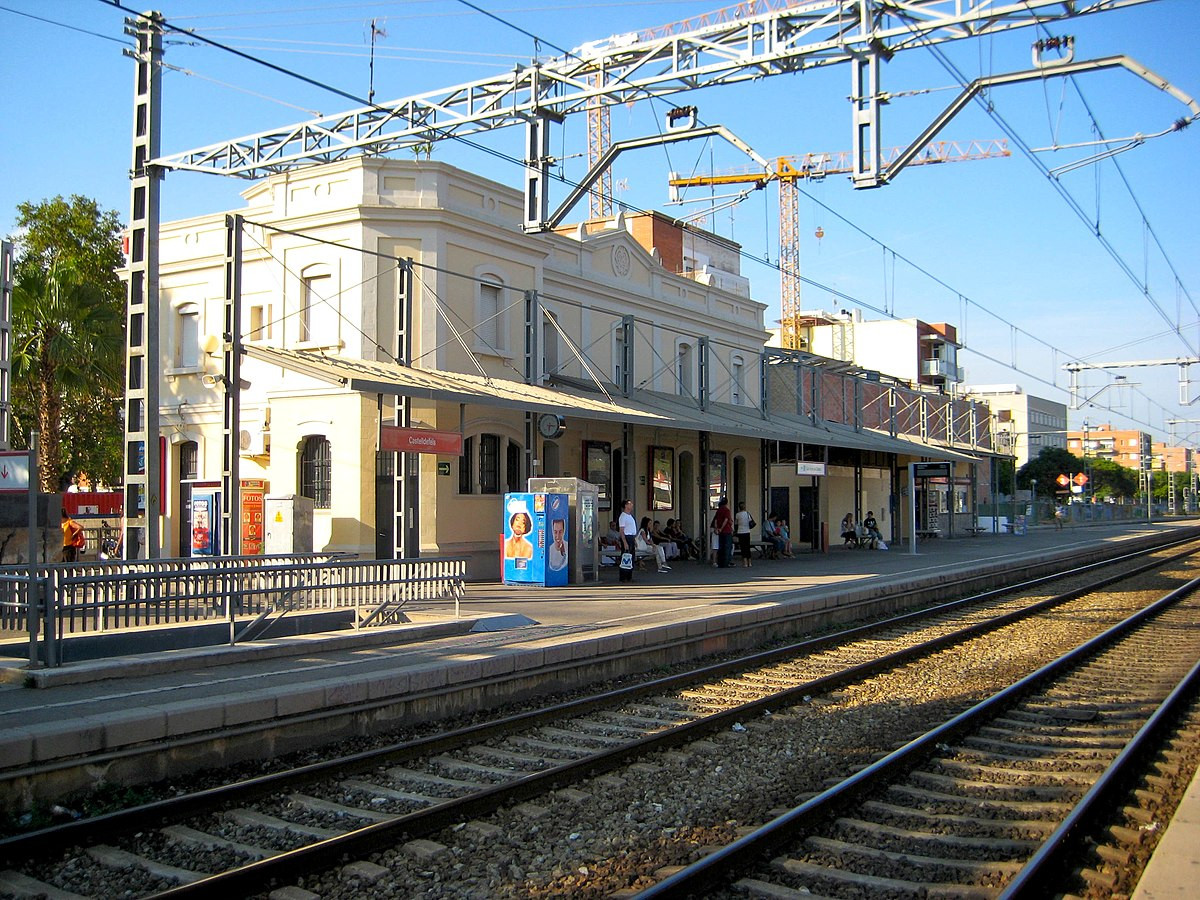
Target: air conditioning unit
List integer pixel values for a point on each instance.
(802, 343)
(254, 441)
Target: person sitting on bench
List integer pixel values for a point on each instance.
(872, 528)
(670, 548)
(645, 544)
(770, 532)
(849, 532)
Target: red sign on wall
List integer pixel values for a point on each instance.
(419, 440)
(252, 491)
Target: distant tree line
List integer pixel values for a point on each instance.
(1106, 479)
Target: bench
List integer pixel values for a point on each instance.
(976, 531)
(766, 550)
(927, 534)
(610, 556)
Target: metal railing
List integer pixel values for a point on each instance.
(255, 591)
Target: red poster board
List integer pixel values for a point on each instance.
(253, 525)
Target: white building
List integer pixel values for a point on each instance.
(915, 352)
(1025, 424)
(596, 351)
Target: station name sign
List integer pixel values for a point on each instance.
(395, 439)
(810, 468)
(931, 470)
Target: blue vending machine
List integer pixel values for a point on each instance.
(536, 539)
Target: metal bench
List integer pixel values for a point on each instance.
(928, 534)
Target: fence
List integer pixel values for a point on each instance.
(92, 598)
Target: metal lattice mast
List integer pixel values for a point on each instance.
(789, 262)
(143, 463)
(599, 140)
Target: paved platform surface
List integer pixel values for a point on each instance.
(90, 706)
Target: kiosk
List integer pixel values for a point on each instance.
(582, 526)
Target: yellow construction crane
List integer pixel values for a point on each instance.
(787, 170)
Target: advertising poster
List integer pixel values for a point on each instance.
(253, 524)
(559, 540)
(206, 515)
(533, 552)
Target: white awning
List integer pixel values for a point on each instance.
(574, 398)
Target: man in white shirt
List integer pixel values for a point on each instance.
(629, 529)
(628, 526)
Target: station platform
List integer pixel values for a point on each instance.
(143, 714)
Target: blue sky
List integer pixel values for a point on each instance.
(1004, 257)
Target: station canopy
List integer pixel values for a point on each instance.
(574, 397)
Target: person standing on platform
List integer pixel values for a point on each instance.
(723, 525)
(73, 539)
(743, 523)
(628, 527)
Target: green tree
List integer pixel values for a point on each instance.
(1046, 467)
(1111, 479)
(68, 338)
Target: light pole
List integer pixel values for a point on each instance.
(1034, 504)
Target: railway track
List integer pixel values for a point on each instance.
(995, 802)
(256, 833)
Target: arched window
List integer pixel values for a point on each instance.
(189, 455)
(683, 368)
(489, 464)
(318, 319)
(550, 345)
(737, 376)
(490, 321)
(619, 356)
(514, 467)
(187, 335)
(316, 470)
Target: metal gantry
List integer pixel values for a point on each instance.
(1181, 361)
(636, 66)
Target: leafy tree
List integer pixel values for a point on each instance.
(68, 338)
(78, 230)
(1160, 489)
(1046, 467)
(1111, 479)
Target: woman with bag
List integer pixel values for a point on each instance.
(743, 524)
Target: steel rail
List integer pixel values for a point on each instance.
(713, 871)
(1052, 861)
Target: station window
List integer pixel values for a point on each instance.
(489, 464)
(314, 304)
(490, 334)
(464, 466)
(316, 470)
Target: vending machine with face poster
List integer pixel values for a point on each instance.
(535, 546)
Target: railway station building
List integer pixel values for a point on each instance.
(628, 352)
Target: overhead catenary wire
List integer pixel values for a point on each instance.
(498, 154)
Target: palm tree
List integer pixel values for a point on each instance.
(68, 343)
